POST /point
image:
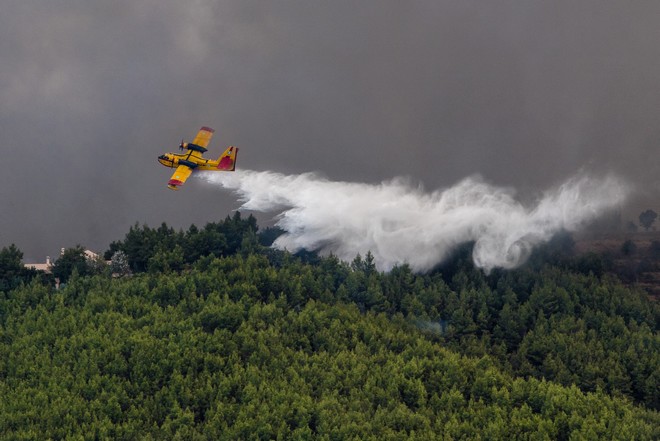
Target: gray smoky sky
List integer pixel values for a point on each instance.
(522, 92)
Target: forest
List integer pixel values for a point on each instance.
(209, 333)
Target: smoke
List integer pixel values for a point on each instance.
(399, 222)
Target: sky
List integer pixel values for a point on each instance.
(523, 93)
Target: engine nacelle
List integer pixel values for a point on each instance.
(187, 163)
(195, 147)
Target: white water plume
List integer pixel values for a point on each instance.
(401, 223)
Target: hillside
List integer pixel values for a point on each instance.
(219, 354)
(238, 341)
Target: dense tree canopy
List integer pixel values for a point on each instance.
(75, 260)
(155, 248)
(237, 341)
(12, 271)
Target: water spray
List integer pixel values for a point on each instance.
(400, 223)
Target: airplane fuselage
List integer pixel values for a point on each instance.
(173, 160)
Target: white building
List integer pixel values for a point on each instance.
(48, 265)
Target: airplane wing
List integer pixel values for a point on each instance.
(203, 137)
(180, 175)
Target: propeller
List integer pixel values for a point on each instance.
(181, 146)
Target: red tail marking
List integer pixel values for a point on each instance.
(226, 163)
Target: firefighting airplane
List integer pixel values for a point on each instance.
(185, 163)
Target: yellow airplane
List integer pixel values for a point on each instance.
(185, 163)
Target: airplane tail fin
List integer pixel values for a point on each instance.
(227, 161)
